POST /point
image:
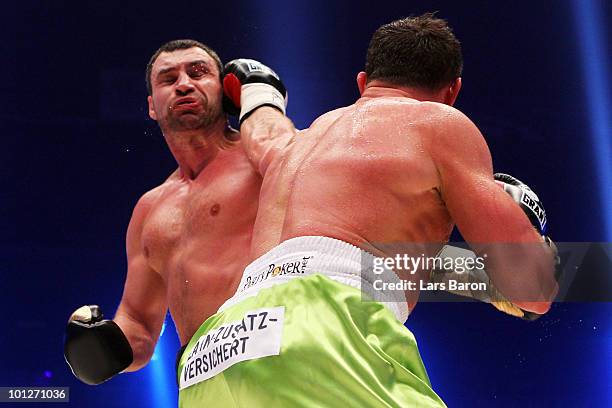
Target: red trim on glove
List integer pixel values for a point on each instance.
(231, 87)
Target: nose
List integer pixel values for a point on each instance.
(184, 85)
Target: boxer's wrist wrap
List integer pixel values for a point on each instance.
(475, 275)
(490, 295)
(256, 95)
(248, 85)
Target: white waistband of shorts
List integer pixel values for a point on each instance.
(303, 256)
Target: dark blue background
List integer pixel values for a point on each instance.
(78, 150)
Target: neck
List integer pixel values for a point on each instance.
(193, 150)
(377, 89)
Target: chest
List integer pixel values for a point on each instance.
(197, 215)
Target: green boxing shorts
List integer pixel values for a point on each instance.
(299, 332)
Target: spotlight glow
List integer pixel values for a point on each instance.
(161, 375)
(592, 38)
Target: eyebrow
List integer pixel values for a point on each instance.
(190, 64)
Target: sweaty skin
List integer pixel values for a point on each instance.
(392, 169)
(188, 239)
(188, 244)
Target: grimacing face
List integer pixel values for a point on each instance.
(186, 93)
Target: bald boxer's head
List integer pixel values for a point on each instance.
(416, 52)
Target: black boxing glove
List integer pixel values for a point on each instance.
(248, 85)
(533, 208)
(526, 198)
(95, 349)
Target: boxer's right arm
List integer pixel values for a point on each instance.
(98, 349)
(265, 134)
(143, 305)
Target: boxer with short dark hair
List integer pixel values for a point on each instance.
(175, 45)
(188, 239)
(434, 59)
(399, 165)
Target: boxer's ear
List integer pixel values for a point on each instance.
(452, 92)
(362, 78)
(152, 113)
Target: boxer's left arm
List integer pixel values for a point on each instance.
(519, 262)
(530, 203)
(255, 93)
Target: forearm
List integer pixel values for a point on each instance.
(140, 339)
(543, 250)
(256, 93)
(265, 133)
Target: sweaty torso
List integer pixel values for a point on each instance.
(197, 235)
(361, 174)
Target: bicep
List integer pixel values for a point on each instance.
(482, 211)
(143, 303)
(487, 218)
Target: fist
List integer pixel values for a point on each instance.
(248, 85)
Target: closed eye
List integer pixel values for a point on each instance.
(167, 80)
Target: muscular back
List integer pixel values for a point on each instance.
(392, 170)
(361, 174)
